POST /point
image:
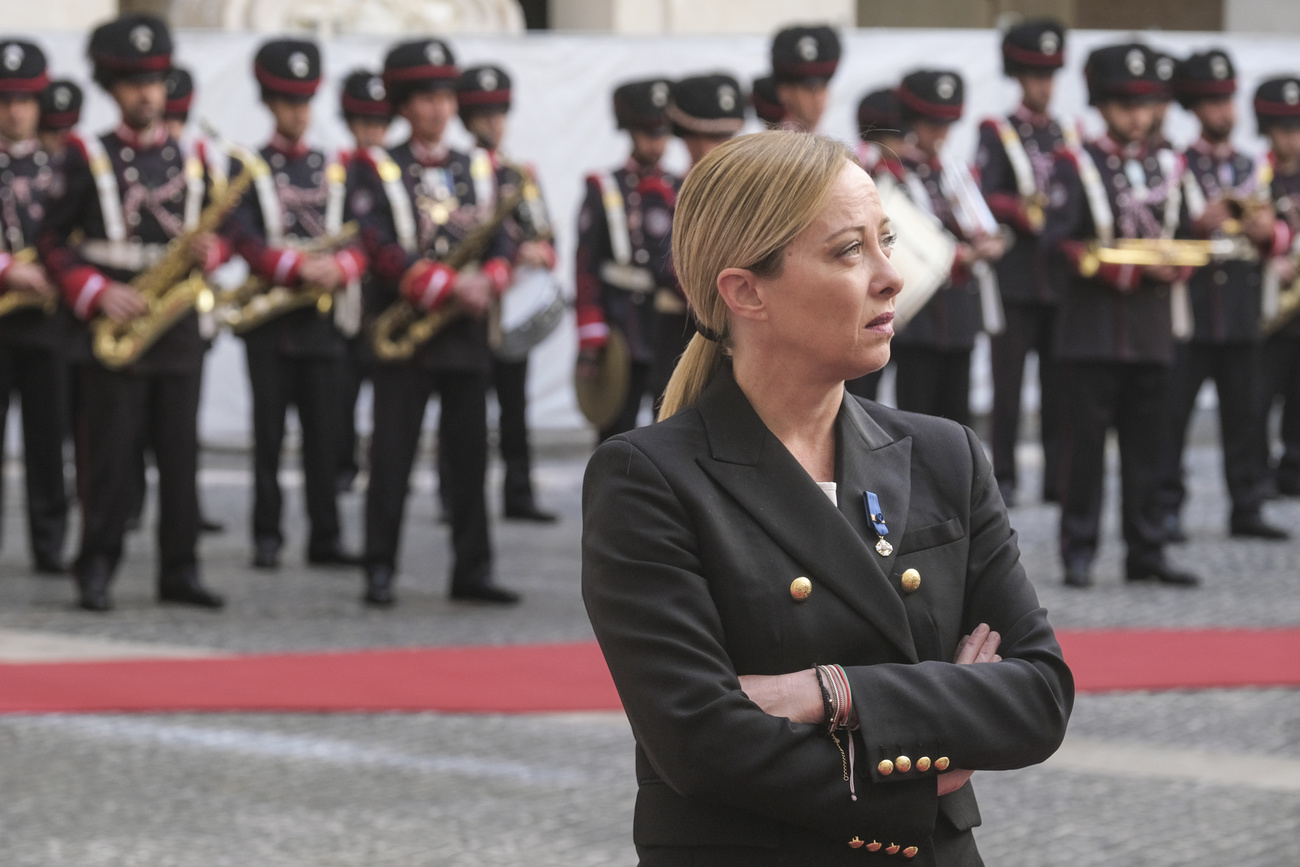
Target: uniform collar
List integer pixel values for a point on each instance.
(154, 137)
(1037, 119)
(642, 170)
(1222, 151)
(20, 149)
(290, 149)
(1133, 150)
(429, 156)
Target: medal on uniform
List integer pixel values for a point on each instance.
(877, 518)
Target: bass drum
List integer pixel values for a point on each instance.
(530, 311)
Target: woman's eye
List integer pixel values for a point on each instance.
(888, 242)
(851, 249)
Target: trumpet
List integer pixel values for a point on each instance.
(20, 299)
(403, 327)
(1244, 209)
(1152, 252)
(257, 302)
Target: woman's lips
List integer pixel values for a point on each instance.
(884, 323)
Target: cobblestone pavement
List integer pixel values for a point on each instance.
(1185, 779)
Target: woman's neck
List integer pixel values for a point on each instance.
(801, 414)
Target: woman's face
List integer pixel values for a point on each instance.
(831, 308)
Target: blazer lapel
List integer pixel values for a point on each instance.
(752, 465)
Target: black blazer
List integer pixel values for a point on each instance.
(693, 531)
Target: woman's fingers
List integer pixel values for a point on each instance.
(980, 646)
(989, 649)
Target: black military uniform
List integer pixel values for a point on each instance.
(362, 96)
(1114, 334)
(624, 253)
(485, 90)
(33, 336)
(880, 134)
(295, 358)
(129, 193)
(705, 110)
(1225, 301)
(1277, 106)
(932, 352)
(807, 58)
(1015, 158)
(415, 203)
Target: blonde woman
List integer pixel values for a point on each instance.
(812, 605)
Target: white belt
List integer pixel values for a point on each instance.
(122, 255)
(629, 278)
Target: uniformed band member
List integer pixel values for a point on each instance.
(484, 96)
(364, 105)
(1227, 195)
(282, 229)
(1114, 337)
(932, 352)
(416, 202)
(624, 238)
(1165, 65)
(129, 192)
(1015, 158)
(803, 61)
(705, 111)
(33, 362)
(1277, 112)
(180, 99)
(767, 105)
(880, 141)
(60, 112)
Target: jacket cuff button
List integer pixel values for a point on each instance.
(856, 843)
(923, 764)
(903, 764)
(873, 846)
(885, 768)
(910, 852)
(941, 763)
(892, 849)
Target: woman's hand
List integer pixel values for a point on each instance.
(796, 696)
(978, 647)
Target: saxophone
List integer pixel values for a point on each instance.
(171, 287)
(403, 327)
(256, 302)
(15, 300)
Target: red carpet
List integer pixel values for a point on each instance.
(563, 677)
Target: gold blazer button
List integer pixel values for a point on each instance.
(885, 768)
(923, 764)
(873, 846)
(910, 852)
(800, 589)
(856, 843)
(892, 849)
(911, 581)
(903, 763)
(941, 763)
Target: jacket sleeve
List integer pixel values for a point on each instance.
(993, 716)
(81, 282)
(593, 244)
(998, 180)
(1068, 227)
(662, 637)
(245, 230)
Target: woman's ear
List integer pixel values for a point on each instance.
(739, 290)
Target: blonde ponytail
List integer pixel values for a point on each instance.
(739, 208)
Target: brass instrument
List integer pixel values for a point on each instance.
(1288, 304)
(403, 327)
(1035, 211)
(16, 299)
(171, 287)
(1144, 252)
(1244, 209)
(256, 302)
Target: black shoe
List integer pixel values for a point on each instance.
(92, 586)
(485, 592)
(1161, 571)
(333, 555)
(526, 510)
(50, 565)
(1255, 527)
(183, 587)
(379, 586)
(266, 554)
(1171, 527)
(207, 525)
(1078, 573)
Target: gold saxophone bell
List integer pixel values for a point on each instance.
(15, 300)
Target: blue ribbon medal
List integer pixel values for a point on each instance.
(877, 518)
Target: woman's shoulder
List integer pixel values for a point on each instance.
(925, 430)
(664, 444)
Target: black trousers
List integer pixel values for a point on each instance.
(39, 377)
(119, 412)
(1235, 369)
(510, 381)
(313, 386)
(933, 381)
(401, 393)
(1029, 328)
(638, 385)
(1282, 381)
(1132, 398)
(351, 374)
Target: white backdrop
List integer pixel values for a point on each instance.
(562, 123)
